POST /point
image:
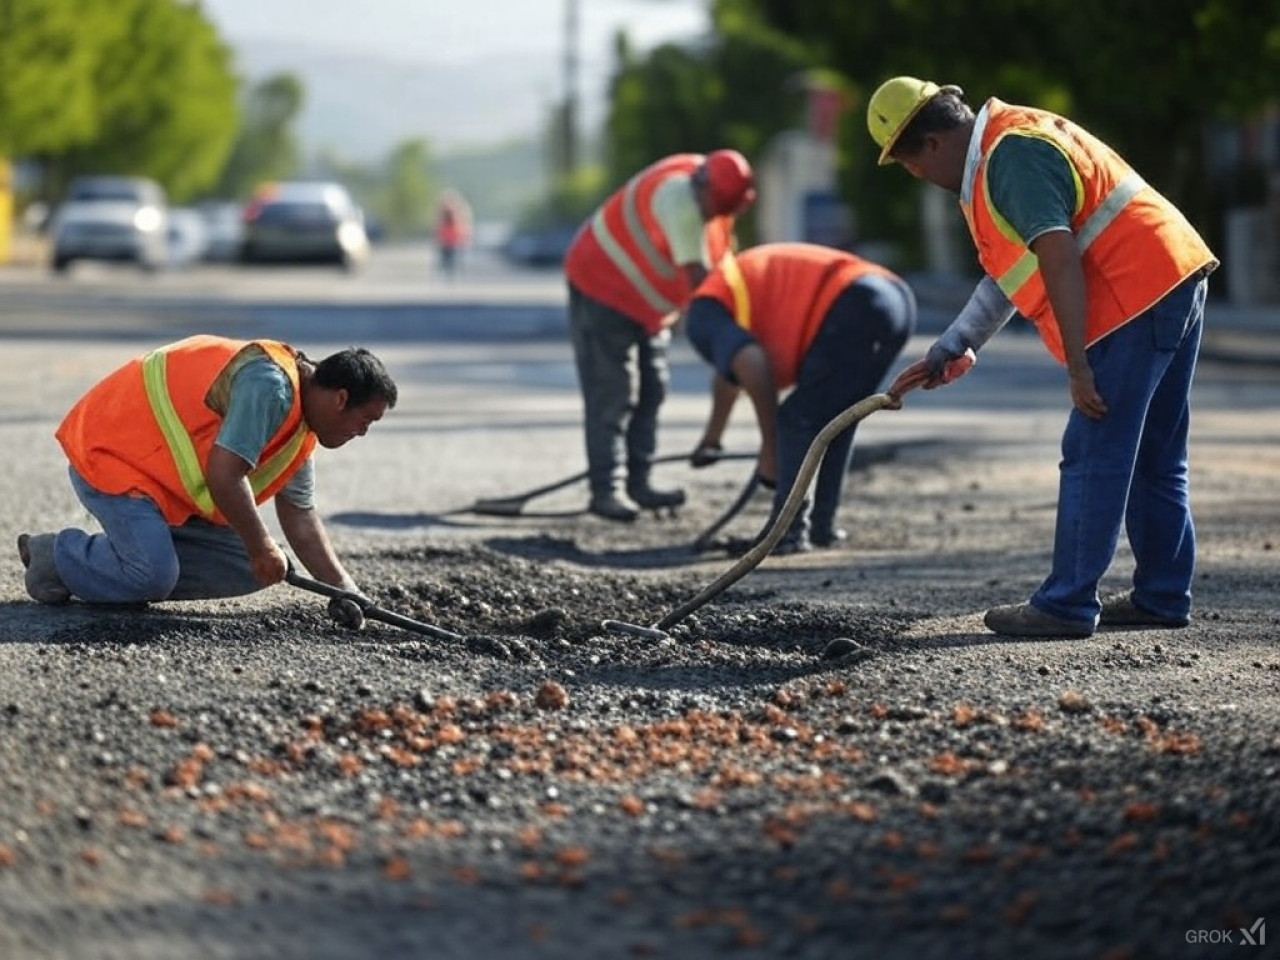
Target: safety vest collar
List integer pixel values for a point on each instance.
(973, 155)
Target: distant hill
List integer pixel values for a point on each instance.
(361, 106)
(483, 119)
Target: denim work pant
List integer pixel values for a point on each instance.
(1130, 467)
(862, 334)
(623, 373)
(138, 557)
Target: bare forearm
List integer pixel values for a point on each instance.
(309, 540)
(227, 477)
(1063, 275)
(1064, 283)
(751, 368)
(723, 397)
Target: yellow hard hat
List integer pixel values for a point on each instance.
(892, 107)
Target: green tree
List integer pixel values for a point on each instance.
(266, 147)
(47, 97)
(1144, 76)
(165, 94)
(408, 195)
(738, 90)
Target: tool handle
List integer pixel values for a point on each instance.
(370, 610)
(406, 623)
(838, 424)
(703, 541)
(512, 505)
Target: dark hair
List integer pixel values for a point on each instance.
(945, 111)
(358, 372)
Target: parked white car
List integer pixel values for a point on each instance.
(111, 218)
(188, 236)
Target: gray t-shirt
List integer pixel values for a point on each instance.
(260, 399)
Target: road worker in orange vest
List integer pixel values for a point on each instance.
(1114, 278)
(818, 322)
(174, 452)
(631, 268)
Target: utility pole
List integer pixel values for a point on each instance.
(569, 116)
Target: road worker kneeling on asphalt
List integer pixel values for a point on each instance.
(174, 452)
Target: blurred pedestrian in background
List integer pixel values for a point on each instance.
(631, 268)
(821, 320)
(453, 230)
(1114, 279)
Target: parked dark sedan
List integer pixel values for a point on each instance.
(305, 222)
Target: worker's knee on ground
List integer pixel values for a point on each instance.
(153, 581)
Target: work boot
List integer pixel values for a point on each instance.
(1024, 620)
(1121, 611)
(613, 506)
(42, 580)
(829, 538)
(648, 498)
(792, 544)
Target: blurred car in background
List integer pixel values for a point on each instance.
(224, 229)
(541, 246)
(188, 236)
(111, 218)
(301, 222)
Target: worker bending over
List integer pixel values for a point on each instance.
(815, 318)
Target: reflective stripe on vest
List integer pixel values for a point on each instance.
(618, 255)
(1026, 265)
(737, 284)
(183, 451)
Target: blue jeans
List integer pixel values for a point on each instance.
(139, 558)
(862, 334)
(1130, 467)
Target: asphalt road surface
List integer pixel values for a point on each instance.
(833, 759)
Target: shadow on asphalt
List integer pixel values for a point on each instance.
(542, 547)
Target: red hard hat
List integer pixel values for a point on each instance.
(729, 181)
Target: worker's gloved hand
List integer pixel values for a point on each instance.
(346, 612)
(705, 455)
(946, 362)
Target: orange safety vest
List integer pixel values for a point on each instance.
(621, 258)
(147, 429)
(1135, 245)
(780, 293)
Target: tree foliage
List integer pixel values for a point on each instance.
(1146, 77)
(47, 98)
(266, 146)
(1149, 78)
(735, 90)
(142, 87)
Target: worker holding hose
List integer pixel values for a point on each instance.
(174, 452)
(1114, 278)
(794, 315)
(631, 268)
